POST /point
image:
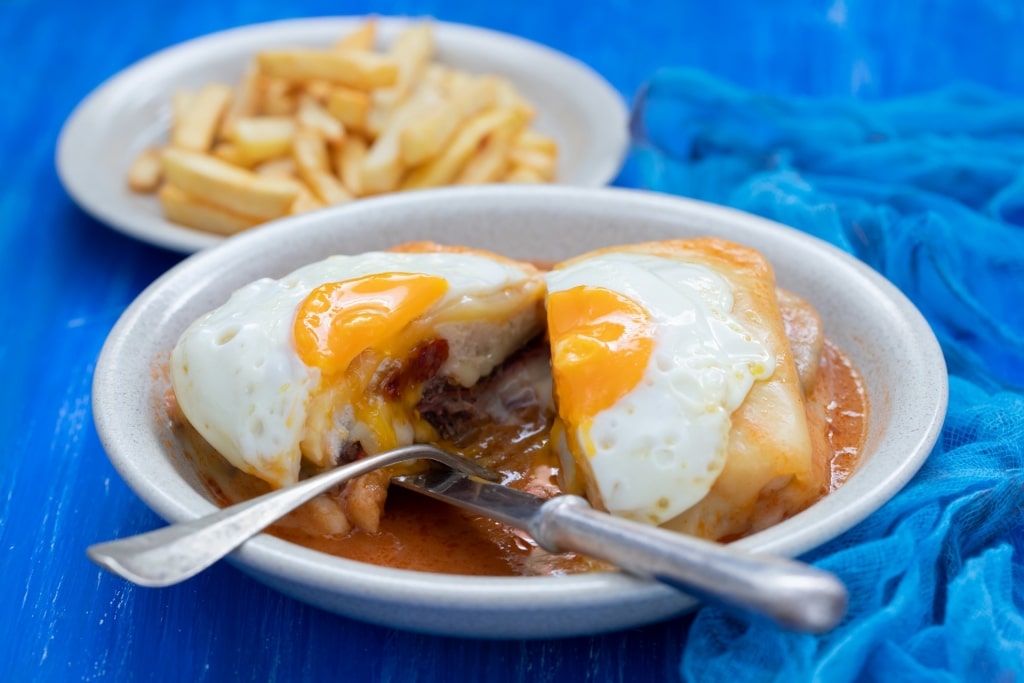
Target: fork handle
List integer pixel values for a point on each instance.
(794, 595)
(177, 552)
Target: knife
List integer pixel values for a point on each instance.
(792, 594)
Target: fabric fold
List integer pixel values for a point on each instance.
(929, 191)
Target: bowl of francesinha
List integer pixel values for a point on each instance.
(679, 364)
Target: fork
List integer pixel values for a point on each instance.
(179, 551)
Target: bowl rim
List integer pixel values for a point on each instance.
(268, 556)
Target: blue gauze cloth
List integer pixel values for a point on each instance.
(928, 190)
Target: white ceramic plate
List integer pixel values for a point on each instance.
(885, 335)
(131, 111)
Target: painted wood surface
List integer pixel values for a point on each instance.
(66, 278)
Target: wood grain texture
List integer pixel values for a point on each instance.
(66, 278)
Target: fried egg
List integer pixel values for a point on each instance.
(301, 365)
(649, 361)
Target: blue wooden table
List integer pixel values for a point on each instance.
(66, 278)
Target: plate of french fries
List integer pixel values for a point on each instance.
(229, 131)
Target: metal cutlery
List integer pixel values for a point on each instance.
(794, 595)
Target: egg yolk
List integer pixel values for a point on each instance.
(339, 320)
(601, 343)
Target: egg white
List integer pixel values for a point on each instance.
(235, 371)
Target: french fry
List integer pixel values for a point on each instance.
(282, 167)
(427, 135)
(383, 167)
(181, 208)
(475, 94)
(354, 68)
(509, 97)
(523, 174)
(363, 38)
(543, 164)
(212, 181)
(312, 115)
(260, 138)
(457, 80)
(377, 120)
(320, 90)
(531, 139)
(436, 76)
(181, 101)
(349, 106)
(276, 97)
(199, 122)
(491, 160)
(443, 169)
(310, 152)
(328, 188)
(348, 163)
(145, 174)
(229, 152)
(304, 128)
(306, 201)
(411, 50)
(244, 102)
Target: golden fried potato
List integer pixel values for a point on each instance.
(221, 184)
(305, 201)
(277, 96)
(314, 167)
(349, 106)
(305, 128)
(544, 164)
(449, 163)
(491, 160)
(146, 173)
(531, 139)
(313, 115)
(181, 208)
(201, 117)
(363, 38)
(281, 167)
(383, 167)
(244, 102)
(348, 163)
(523, 174)
(354, 68)
(424, 138)
(412, 50)
(229, 152)
(260, 138)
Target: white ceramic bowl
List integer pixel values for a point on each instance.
(886, 336)
(132, 110)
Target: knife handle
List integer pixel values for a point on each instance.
(794, 595)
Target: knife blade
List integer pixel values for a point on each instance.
(502, 503)
(792, 594)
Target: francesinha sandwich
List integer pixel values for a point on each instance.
(679, 401)
(329, 362)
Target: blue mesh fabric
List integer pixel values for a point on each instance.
(928, 190)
